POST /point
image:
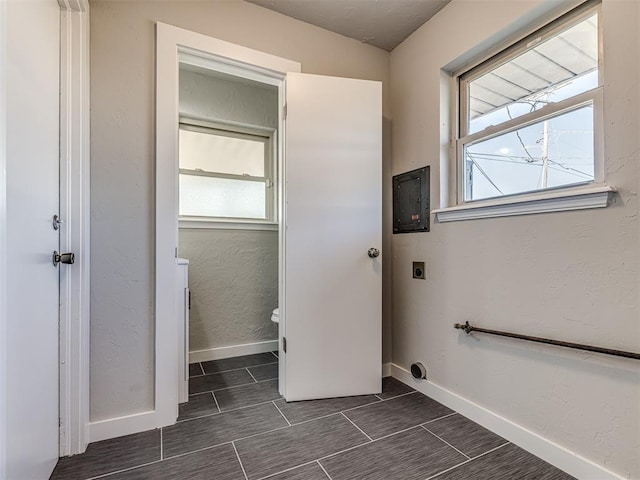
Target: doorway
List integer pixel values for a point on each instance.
(330, 220)
(228, 222)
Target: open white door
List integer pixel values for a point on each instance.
(333, 216)
(32, 119)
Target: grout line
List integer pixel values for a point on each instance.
(323, 469)
(115, 472)
(201, 367)
(378, 397)
(236, 369)
(240, 461)
(235, 386)
(439, 418)
(217, 405)
(249, 372)
(368, 443)
(466, 461)
(492, 450)
(274, 404)
(275, 355)
(271, 475)
(361, 431)
(443, 440)
(161, 446)
(225, 411)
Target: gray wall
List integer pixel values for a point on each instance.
(233, 274)
(122, 167)
(568, 275)
(233, 277)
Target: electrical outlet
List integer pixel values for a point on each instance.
(419, 270)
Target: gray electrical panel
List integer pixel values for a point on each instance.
(411, 201)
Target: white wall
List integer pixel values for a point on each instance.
(233, 274)
(3, 245)
(570, 275)
(122, 166)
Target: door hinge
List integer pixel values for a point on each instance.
(284, 112)
(284, 344)
(176, 252)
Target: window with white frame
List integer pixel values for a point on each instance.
(528, 116)
(226, 173)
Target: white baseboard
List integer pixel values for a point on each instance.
(547, 450)
(386, 370)
(233, 351)
(119, 426)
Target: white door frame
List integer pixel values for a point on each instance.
(74, 210)
(173, 44)
(3, 245)
(74, 233)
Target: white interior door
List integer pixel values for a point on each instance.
(333, 215)
(32, 114)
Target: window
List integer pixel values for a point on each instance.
(528, 116)
(226, 173)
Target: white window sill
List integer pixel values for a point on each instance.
(580, 198)
(226, 224)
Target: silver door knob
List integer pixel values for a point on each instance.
(68, 258)
(373, 252)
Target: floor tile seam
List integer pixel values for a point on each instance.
(439, 418)
(271, 475)
(234, 386)
(324, 470)
(465, 462)
(161, 446)
(359, 429)
(493, 449)
(251, 375)
(378, 397)
(272, 353)
(444, 441)
(283, 415)
(221, 412)
(122, 470)
(216, 400)
(352, 408)
(239, 460)
(366, 443)
(238, 368)
(201, 368)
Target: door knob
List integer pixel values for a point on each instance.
(373, 252)
(68, 258)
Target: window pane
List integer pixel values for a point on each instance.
(551, 153)
(221, 154)
(558, 68)
(221, 197)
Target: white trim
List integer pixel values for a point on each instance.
(234, 351)
(591, 196)
(74, 232)
(3, 245)
(547, 450)
(175, 44)
(228, 225)
(386, 370)
(117, 427)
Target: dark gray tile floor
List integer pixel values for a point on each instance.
(236, 427)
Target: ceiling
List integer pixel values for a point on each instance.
(381, 23)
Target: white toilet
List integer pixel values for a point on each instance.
(275, 316)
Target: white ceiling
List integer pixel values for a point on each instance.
(381, 23)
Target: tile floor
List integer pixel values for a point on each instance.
(236, 427)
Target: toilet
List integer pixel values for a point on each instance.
(275, 316)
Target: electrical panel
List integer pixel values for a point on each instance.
(411, 201)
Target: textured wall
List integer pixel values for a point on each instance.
(218, 98)
(233, 274)
(233, 277)
(568, 275)
(122, 166)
